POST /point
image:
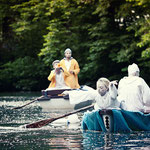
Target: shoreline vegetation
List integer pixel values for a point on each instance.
(105, 37)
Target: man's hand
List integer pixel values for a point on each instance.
(71, 72)
(114, 82)
(57, 70)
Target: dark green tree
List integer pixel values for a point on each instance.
(105, 36)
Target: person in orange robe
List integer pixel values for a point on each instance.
(57, 76)
(71, 65)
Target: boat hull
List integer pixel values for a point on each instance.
(60, 103)
(53, 100)
(116, 120)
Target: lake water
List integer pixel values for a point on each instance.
(55, 135)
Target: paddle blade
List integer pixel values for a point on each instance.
(17, 107)
(40, 123)
(47, 121)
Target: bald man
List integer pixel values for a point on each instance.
(69, 64)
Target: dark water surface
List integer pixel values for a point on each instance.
(60, 135)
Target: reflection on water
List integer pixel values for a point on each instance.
(97, 140)
(57, 135)
(70, 139)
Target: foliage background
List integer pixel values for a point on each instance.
(104, 35)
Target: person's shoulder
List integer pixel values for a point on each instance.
(123, 79)
(141, 79)
(62, 60)
(74, 60)
(138, 78)
(52, 71)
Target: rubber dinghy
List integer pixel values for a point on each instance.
(54, 100)
(114, 120)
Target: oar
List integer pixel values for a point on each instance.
(47, 121)
(28, 103)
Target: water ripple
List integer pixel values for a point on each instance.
(59, 134)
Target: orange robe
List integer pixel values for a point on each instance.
(52, 78)
(72, 79)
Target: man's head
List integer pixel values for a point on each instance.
(68, 53)
(133, 70)
(102, 86)
(55, 63)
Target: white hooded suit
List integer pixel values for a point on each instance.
(134, 92)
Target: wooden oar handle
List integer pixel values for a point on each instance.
(28, 103)
(47, 121)
(76, 111)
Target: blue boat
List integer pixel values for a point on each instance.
(116, 120)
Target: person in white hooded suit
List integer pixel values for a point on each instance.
(105, 96)
(133, 92)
